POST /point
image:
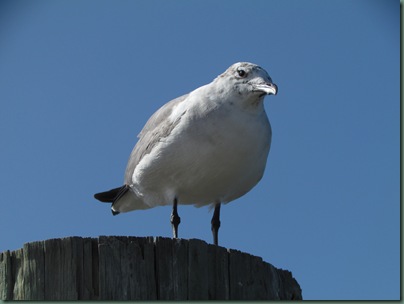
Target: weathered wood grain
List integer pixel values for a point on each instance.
(126, 268)
(17, 267)
(218, 269)
(180, 267)
(172, 268)
(33, 270)
(6, 281)
(63, 257)
(139, 268)
(86, 284)
(198, 276)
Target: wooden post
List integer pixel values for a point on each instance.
(139, 268)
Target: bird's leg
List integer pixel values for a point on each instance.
(216, 223)
(175, 219)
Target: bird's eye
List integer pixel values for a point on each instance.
(241, 72)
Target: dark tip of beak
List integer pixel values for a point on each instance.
(275, 87)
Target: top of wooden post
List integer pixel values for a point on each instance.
(139, 268)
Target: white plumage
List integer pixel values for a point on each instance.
(207, 147)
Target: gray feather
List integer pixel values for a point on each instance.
(153, 132)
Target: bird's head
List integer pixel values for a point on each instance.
(248, 79)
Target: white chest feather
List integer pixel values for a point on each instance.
(210, 156)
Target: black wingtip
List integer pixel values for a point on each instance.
(111, 195)
(100, 196)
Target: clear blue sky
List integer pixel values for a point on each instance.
(78, 80)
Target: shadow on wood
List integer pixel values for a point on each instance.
(139, 268)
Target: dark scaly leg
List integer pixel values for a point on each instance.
(175, 219)
(216, 223)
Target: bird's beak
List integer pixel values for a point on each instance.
(267, 87)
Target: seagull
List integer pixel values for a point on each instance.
(207, 147)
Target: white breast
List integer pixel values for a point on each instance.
(209, 157)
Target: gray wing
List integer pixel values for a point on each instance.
(156, 128)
